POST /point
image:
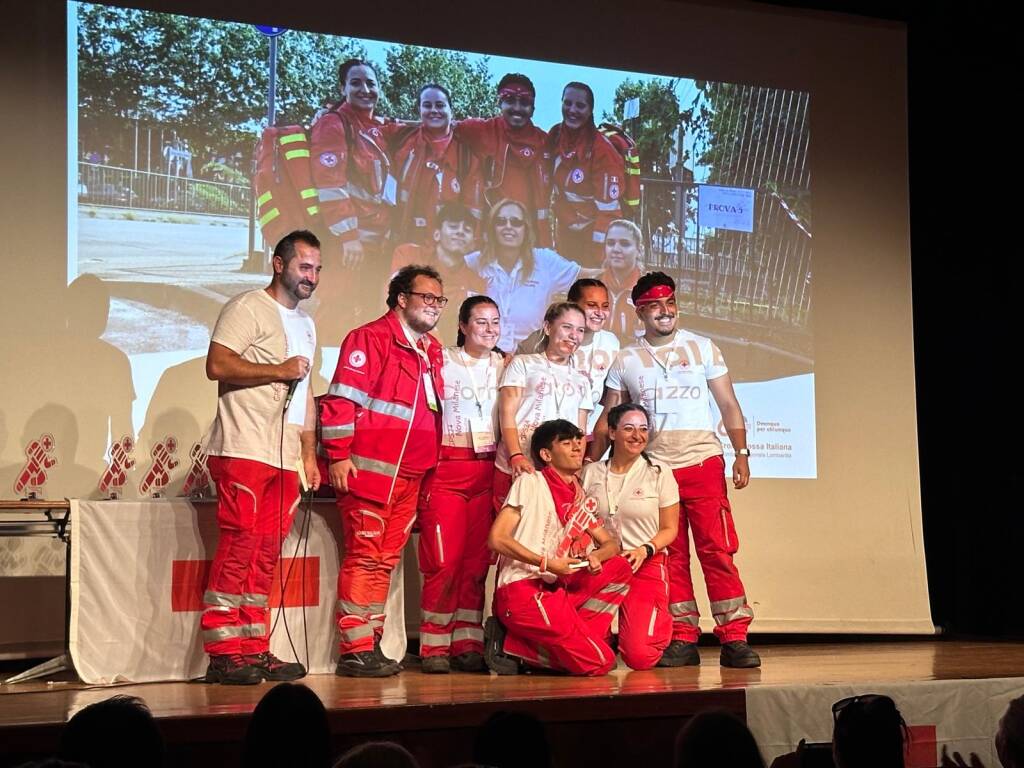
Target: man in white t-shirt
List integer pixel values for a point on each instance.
(260, 354)
(554, 597)
(673, 373)
(594, 356)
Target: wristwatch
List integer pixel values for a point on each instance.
(742, 451)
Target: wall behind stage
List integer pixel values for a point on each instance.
(840, 553)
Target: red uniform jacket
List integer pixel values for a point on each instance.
(514, 165)
(368, 411)
(349, 166)
(426, 175)
(587, 177)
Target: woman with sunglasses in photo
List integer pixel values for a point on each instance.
(588, 176)
(638, 500)
(540, 387)
(520, 277)
(455, 512)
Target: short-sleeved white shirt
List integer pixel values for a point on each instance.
(673, 389)
(470, 396)
(593, 360)
(539, 529)
(248, 421)
(550, 391)
(630, 504)
(523, 299)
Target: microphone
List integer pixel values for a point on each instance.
(292, 386)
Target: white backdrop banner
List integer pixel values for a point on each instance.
(958, 715)
(138, 573)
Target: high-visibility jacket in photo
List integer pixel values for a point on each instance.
(426, 174)
(514, 164)
(370, 409)
(587, 179)
(350, 166)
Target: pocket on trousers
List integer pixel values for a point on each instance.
(727, 533)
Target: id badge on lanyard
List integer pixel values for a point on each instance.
(428, 389)
(482, 433)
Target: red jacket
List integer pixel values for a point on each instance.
(587, 177)
(349, 166)
(367, 413)
(514, 165)
(426, 176)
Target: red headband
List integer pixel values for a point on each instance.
(653, 294)
(515, 90)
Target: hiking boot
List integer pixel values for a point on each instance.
(273, 668)
(436, 665)
(380, 654)
(471, 661)
(364, 664)
(494, 649)
(739, 655)
(680, 654)
(232, 669)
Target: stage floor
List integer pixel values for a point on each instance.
(415, 701)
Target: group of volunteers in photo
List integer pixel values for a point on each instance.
(570, 442)
(498, 205)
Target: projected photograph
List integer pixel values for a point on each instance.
(196, 144)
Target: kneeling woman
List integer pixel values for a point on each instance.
(638, 501)
(554, 600)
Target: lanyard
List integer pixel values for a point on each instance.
(472, 378)
(613, 509)
(414, 344)
(668, 358)
(556, 385)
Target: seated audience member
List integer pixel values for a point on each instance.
(119, 731)
(288, 727)
(716, 739)
(560, 577)
(868, 732)
(377, 754)
(1010, 736)
(511, 740)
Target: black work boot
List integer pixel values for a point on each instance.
(680, 654)
(436, 665)
(739, 655)
(494, 649)
(471, 661)
(365, 664)
(232, 669)
(273, 668)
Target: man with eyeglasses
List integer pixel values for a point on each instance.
(454, 237)
(513, 152)
(381, 428)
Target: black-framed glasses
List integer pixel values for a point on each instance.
(508, 221)
(866, 699)
(429, 299)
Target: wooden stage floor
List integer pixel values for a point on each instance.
(443, 708)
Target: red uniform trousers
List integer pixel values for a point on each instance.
(645, 624)
(455, 517)
(375, 535)
(502, 485)
(563, 626)
(255, 506)
(704, 508)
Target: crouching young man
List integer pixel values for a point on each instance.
(560, 579)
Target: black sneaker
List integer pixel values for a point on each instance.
(471, 661)
(364, 664)
(273, 668)
(739, 655)
(494, 649)
(232, 669)
(680, 654)
(436, 665)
